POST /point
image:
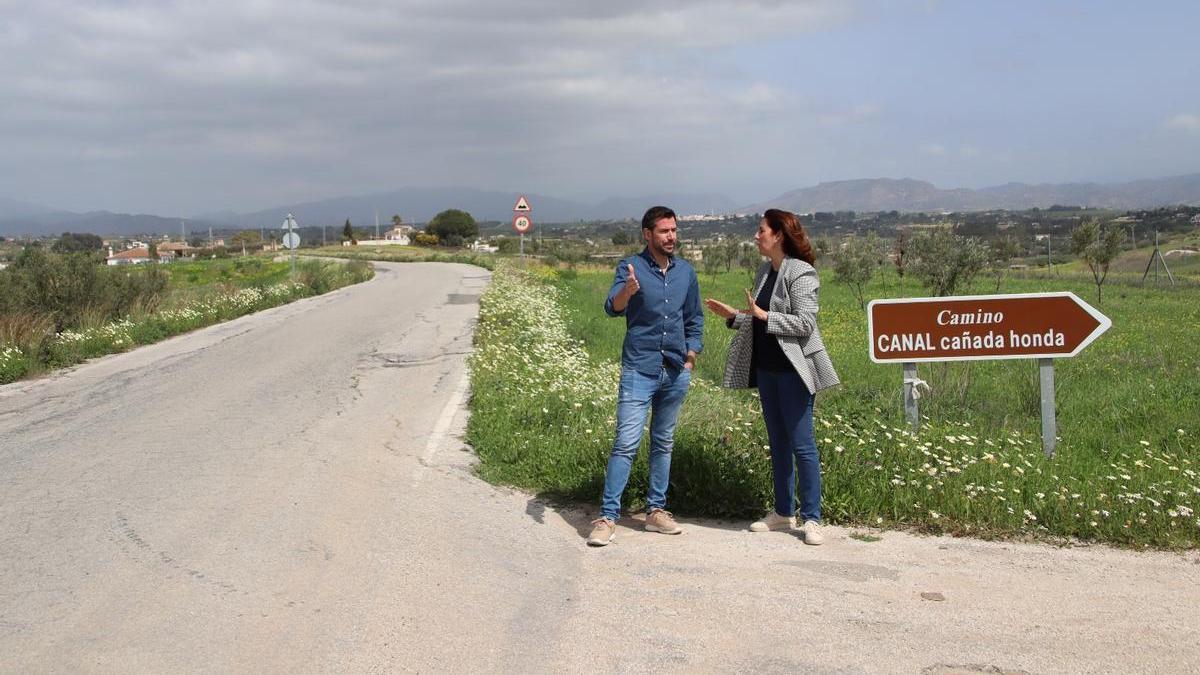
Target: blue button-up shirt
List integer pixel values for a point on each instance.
(663, 320)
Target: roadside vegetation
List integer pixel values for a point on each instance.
(60, 309)
(404, 254)
(545, 377)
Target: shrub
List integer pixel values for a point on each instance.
(28, 340)
(315, 275)
(13, 363)
(453, 223)
(1097, 246)
(357, 271)
(944, 261)
(854, 263)
(66, 287)
(26, 331)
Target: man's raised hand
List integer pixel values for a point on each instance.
(631, 283)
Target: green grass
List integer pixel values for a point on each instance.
(1128, 409)
(406, 254)
(240, 272)
(1130, 265)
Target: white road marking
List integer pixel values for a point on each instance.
(438, 437)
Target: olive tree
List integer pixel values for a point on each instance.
(944, 261)
(1000, 254)
(1097, 246)
(855, 262)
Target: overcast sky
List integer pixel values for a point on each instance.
(181, 107)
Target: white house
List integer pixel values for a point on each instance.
(176, 249)
(397, 236)
(137, 256)
(132, 256)
(401, 234)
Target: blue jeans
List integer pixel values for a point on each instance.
(788, 411)
(639, 394)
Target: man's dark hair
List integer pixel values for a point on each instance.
(655, 214)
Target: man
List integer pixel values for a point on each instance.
(659, 296)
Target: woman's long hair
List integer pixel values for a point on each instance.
(795, 239)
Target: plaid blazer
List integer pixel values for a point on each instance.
(792, 319)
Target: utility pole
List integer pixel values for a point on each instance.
(323, 234)
(1049, 262)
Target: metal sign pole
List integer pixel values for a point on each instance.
(1049, 424)
(291, 240)
(910, 396)
(521, 222)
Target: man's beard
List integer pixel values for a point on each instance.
(655, 247)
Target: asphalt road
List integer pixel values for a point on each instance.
(287, 493)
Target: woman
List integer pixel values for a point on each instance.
(778, 348)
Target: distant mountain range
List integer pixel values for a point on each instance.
(887, 194)
(414, 205)
(11, 208)
(418, 205)
(51, 221)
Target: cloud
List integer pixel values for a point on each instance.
(1184, 121)
(862, 112)
(251, 98)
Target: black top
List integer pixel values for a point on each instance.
(768, 355)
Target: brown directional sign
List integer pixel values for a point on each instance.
(962, 328)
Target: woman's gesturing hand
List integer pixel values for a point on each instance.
(758, 312)
(720, 309)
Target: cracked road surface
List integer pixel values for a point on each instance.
(287, 493)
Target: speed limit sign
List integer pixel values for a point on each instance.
(522, 223)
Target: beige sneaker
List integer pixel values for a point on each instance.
(659, 520)
(812, 533)
(773, 521)
(603, 531)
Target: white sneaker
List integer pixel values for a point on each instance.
(773, 521)
(812, 533)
